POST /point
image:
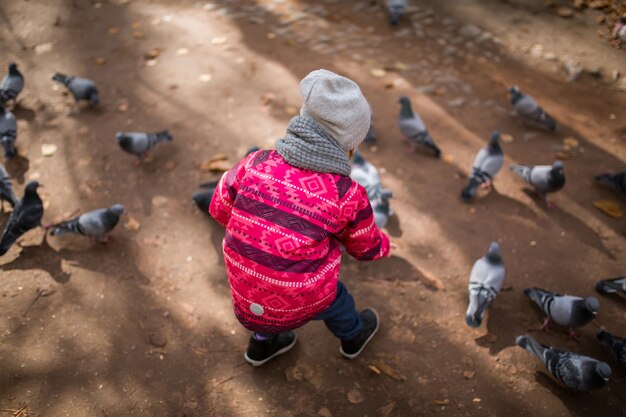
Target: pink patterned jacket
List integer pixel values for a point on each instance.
(283, 228)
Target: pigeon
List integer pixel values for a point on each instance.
(413, 127)
(529, 109)
(203, 199)
(616, 344)
(366, 174)
(95, 223)
(6, 188)
(545, 178)
(8, 132)
(614, 181)
(611, 286)
(26, 215)
(396, 9)
(576, 372)
(81, 88)
(139, 143)
(565, 310)
(486, 165)
(11, 85)
(485, 283)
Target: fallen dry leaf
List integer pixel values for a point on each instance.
(187, 308)
(431, 279)
(122, 107)
(43, 48)
(113, 30)
(132, 224)
(445, 401)
(138, 34)
(374, 369)
(268, 98)
(219, 40)
(448, 158)
(570, 142)
(355, 396)
(218, 162)
(205, 78)
(610, 208)
(152, 53)
(100, 61)
(48, 149)
(564, 12)
(506, 138)
(469, 374)
(386, 410)
(378, 72)
(389, 371)
(564, 155)
(440, 91)
(182, 51)
(324, 412)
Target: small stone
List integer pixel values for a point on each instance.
(43, 48)
(445, 401)
(220, 40)
(355, 397)
(533, 243)
(157, 340)
(506, 138)
(378, 72)
(470, 31)
(182, 51)
(205, 78)
(469, 374)
(187, 308)
(476, 400)
(456, 102)
(48, 149)
(536, 51)
(100, 61)
(324, 412)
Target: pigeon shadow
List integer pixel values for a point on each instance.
(498, 322)
(24, 113)
(97, 259)
(17, 167)
(570, 223)
(393, 226)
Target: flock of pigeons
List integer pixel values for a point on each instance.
(575, 371)
(28, 211)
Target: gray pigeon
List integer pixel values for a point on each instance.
(565, 310)
(545, 178)
(485, 283)
(611, 286)
(8, 132)
(6, 188)
(396, 9)
(26, 215)
(616, 182)
(576, 372)
(139, 143)
(81, 88)
(529, 109)
(203, 198)
(486, 165)
(616, 344)
(11, 85)
(95, 223)
(413, 127)
(366, 174)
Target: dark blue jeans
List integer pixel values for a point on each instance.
(341, 317)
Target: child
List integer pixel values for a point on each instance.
(287, 211)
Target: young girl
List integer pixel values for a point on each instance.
(287, 212)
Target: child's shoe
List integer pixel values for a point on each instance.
(261, 351)
(353, 347)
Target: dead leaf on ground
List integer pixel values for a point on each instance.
(49, 149)
(374, 369)
(610, 208)
(506, 138)
(469, 374)
(152, 53)
(132, 224)
(389, 371)
(138, 34)
(386, 410)
(355, 397)
(378, 72)
(448, 158)
(218, 162)
(445, 401)
(100, 61)
(324, 412)
(570, 142)
(430, 279)
(219, 40)
(113, 30)
(122, 107)
(564, 12)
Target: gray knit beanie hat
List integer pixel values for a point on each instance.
(337, 104)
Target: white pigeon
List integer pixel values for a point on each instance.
(367, 175)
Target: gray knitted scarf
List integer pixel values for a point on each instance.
(306, 145)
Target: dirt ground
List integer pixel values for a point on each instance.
(143, 326)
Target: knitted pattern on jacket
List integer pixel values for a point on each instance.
(283, 228)
(307, 145)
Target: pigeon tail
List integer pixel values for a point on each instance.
(62, 78)
(9, 147)
(536, 294)
(530, 344)
(468, 192)
(606, 338)
(394, 15)
(611, 286)
(164, 136)
(522, 171)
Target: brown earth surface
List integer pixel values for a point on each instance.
(143, 326)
